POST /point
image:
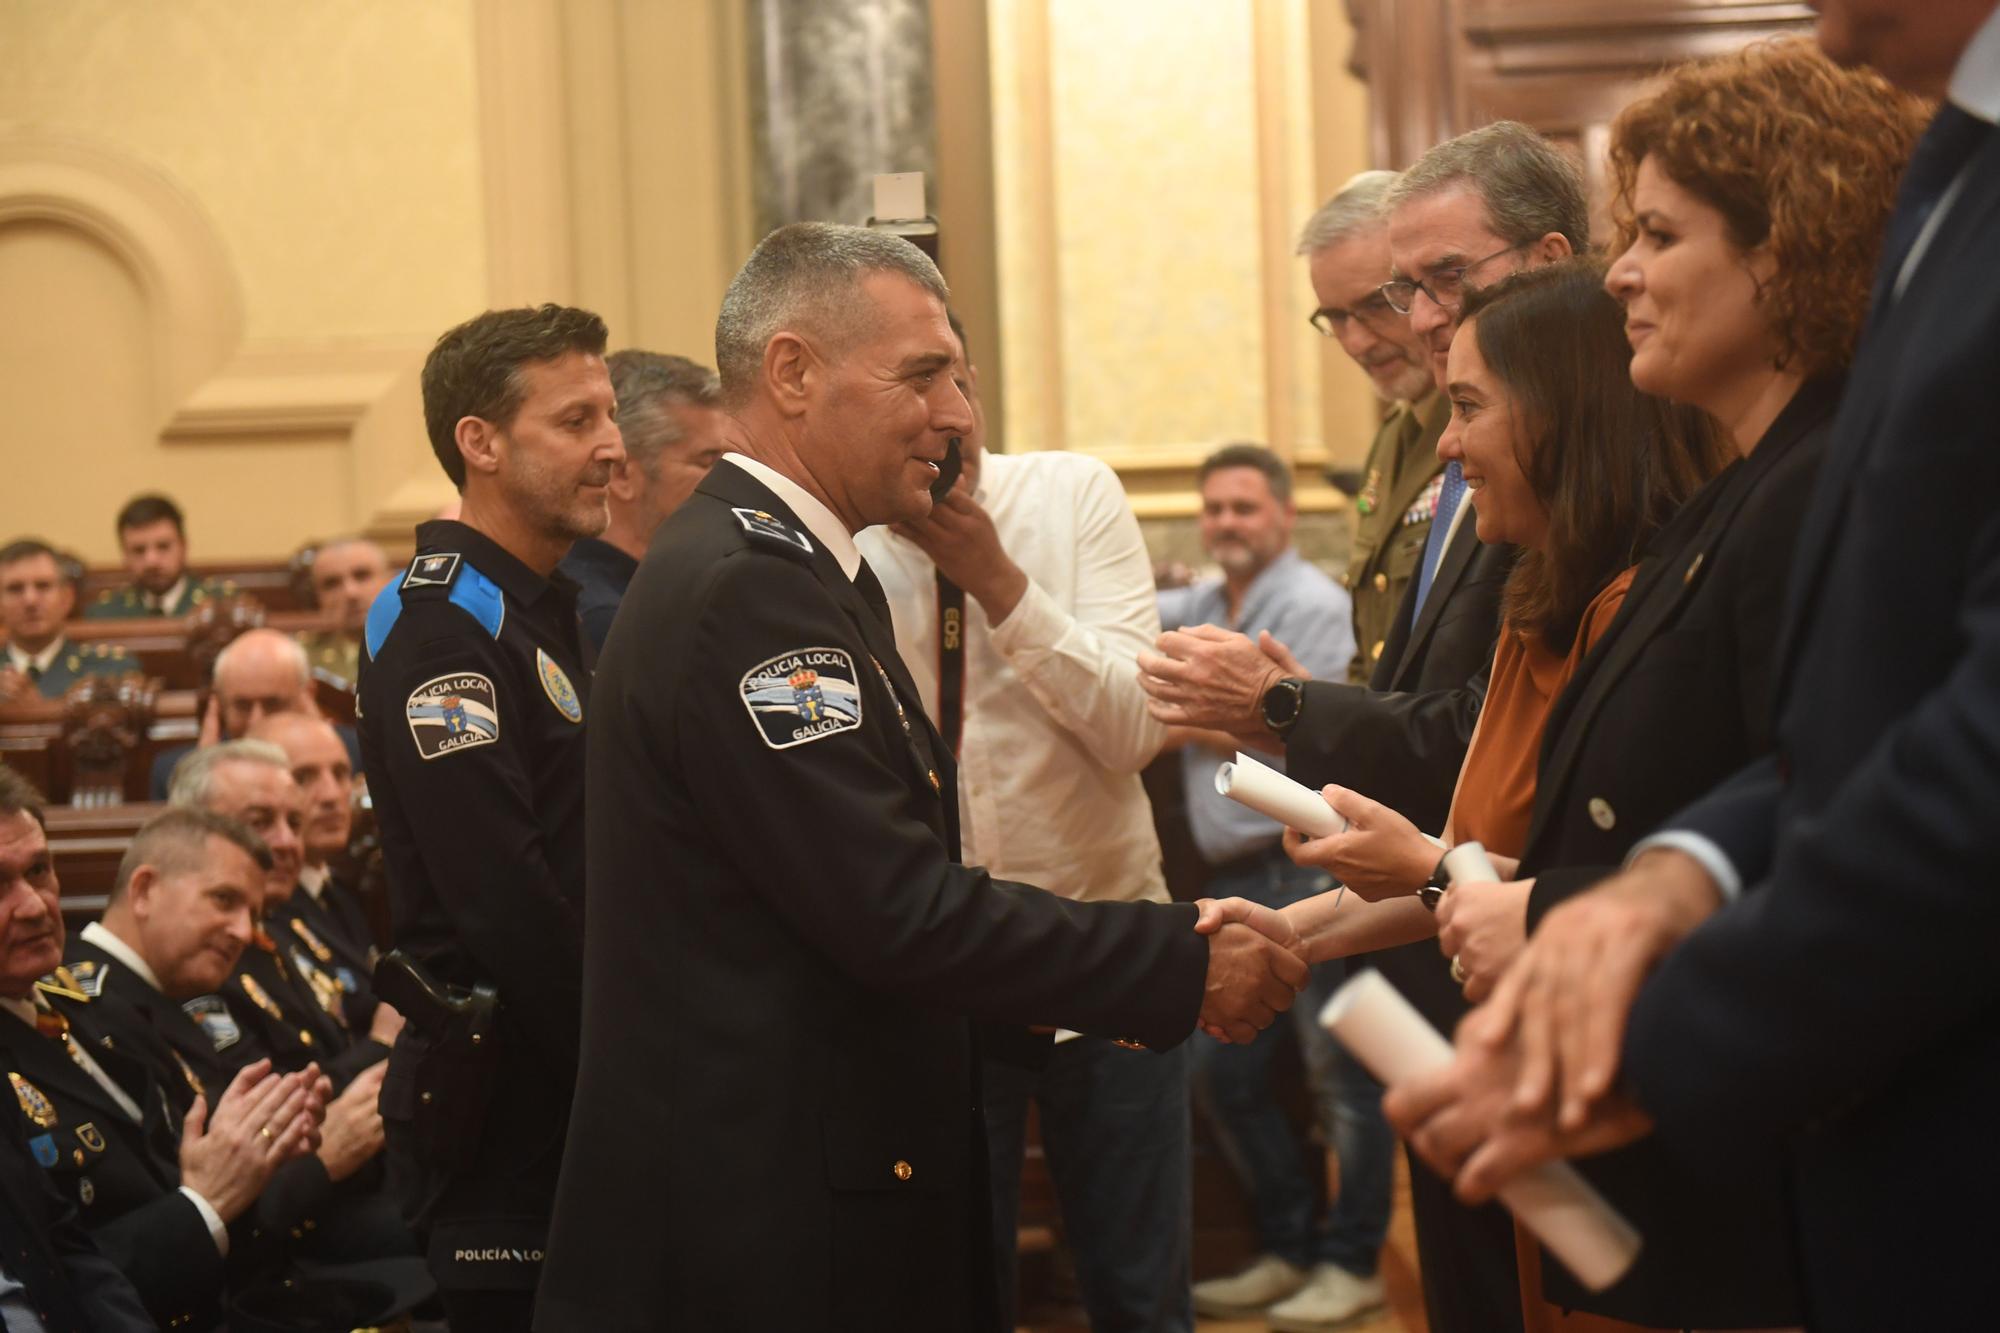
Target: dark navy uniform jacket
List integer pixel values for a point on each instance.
(777, 1124)
(474, 680)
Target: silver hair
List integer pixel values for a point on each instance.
(1355, 207)
(803, 277)
(294, 653)
(193, 780)
(1530, 186)
(648, 384)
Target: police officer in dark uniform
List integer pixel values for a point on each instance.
(777, 1120)
(474, 681)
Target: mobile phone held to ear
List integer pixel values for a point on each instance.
(948, 470)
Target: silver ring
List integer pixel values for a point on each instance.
(1457, 970)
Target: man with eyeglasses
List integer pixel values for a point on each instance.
(1346, 245)
(1468, 213)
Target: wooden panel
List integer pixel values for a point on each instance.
(1437, 68)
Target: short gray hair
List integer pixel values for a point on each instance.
(175, 841)
(293, 652)
(1530, 186)
(193, 782)
(647, 385)
(1356, 207)
(803, 276)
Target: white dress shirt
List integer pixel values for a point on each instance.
(1055, 725)
(41, 661)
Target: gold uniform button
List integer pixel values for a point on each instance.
(1601, 813)
(935, 785)
(1694, 568)
(902, 1169)
(305, 1036)
(1376, 652)
(1381, 582)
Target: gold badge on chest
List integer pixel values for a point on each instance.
(41, 1112)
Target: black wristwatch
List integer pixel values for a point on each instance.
(1281, 705)
(1435, 886)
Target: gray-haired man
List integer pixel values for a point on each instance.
(668, 412)
(782, 948)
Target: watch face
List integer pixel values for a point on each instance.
(1281, 704)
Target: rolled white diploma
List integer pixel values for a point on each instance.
(1374, 1021)
(1269, 792)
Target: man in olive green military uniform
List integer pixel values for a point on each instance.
(35, 600)
(152, 538)
(1346, 245)
(347, 572)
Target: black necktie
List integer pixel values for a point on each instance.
(1953, 137)
(871, 592)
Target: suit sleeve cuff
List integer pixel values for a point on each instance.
(1710, 857)
(212, 1219)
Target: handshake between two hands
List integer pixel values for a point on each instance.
(1256, 967)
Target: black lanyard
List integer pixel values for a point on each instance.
(951, 661)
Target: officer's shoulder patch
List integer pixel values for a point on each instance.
(769, 530)
(89, 975)
(803, 695)
(556, 684)
(453, 712)
(62, 982)
(212, 1015)
(434, 569)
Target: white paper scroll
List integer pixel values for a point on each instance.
(1269, 792)
(1467, 864)
(1374, 1021)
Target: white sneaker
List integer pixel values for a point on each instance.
(1329, 1298)
(1266, 1280)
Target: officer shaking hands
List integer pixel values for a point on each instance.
(474, 680)
(777, 1121)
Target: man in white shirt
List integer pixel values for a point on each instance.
(1020, 605)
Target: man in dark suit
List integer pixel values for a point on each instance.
(49, 1266)
(781, 948)
(1808, 945)
(35, 600)
(1466, 214)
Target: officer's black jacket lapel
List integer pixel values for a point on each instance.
(1667, 582)
(79, 1100)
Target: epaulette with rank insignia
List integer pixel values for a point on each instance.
(87, 975)
(770, 532)
(64, 983)
(445, 576)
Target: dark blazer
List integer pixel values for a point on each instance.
(781, 954)
(71, 1285)
(1847, 1006)
(124, 1175)
(1675, 697)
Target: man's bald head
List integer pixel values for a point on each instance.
(324, 773)
(261, 672)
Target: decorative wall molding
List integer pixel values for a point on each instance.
(157, 230)
(272, 391)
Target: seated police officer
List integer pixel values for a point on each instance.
(474, 678)
(157, 1190)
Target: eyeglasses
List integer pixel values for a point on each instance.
(1371, 314)
(1446, 287)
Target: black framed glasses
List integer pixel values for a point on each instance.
(1446, 286)
(1330, 321)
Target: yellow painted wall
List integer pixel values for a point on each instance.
(332, 142)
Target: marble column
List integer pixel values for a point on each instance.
(840, 90)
